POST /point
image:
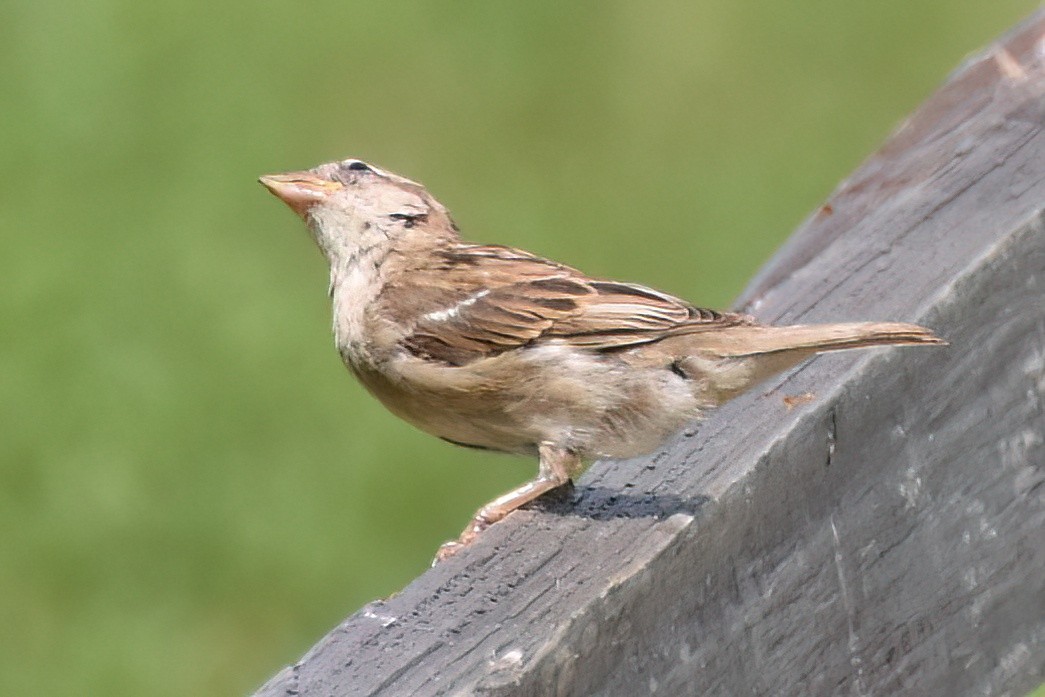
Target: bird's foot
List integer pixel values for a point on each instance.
(448, 549)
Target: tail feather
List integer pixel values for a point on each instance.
(730, 361)
(815, 338)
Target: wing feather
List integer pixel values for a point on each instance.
(481, 300)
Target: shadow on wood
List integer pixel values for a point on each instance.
(865, 524)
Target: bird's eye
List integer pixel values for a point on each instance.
(358, 166)
(408, 219)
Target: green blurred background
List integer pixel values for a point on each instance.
(192, 488)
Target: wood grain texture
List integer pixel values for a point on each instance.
(866, 524)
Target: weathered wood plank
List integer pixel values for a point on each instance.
(880, 534)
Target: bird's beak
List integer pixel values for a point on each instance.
(300, 190)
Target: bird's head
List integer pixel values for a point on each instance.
(350, 205)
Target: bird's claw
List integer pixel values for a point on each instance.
(448, 549)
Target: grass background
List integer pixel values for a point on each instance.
(192, 489)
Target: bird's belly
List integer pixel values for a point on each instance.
(438, 404)
(593, 404)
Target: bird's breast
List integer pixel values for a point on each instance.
(354, 287)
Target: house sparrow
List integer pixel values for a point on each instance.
(495, 348)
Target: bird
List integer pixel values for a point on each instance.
(492, 347)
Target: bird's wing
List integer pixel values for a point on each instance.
(484, 300)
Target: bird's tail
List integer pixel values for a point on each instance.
(817, 338)
(732, 360)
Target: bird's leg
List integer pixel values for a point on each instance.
(555, 468)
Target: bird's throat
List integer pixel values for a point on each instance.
(355, 284)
